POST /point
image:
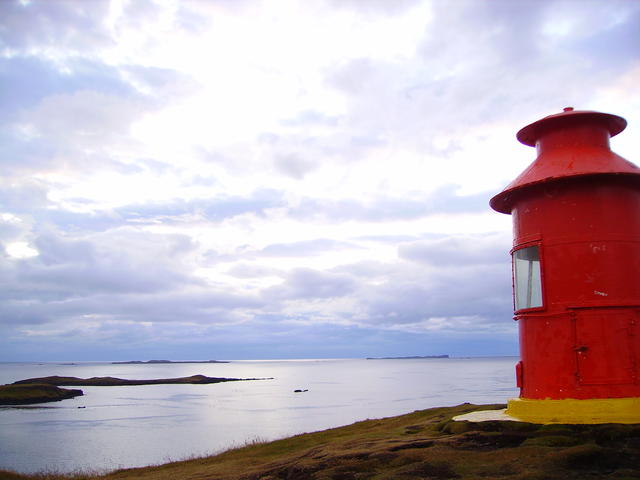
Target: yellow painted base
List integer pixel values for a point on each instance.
(595, 410)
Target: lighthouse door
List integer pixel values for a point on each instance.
(605, 346)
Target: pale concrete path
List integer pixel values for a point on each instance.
(485, 416)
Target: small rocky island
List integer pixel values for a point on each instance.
(47, 389)
(154, 362)
(415, 357)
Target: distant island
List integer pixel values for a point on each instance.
(140, 362)
(117, 382)
(408, 358)
(46, 389)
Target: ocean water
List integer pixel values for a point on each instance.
(134, 426)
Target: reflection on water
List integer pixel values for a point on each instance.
(140, 425)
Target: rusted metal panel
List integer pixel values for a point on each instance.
(605, 348)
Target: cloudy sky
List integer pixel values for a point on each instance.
(231, 179)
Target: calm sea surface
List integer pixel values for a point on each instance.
(142, 425)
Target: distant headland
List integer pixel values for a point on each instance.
(140, 362)
(408, 358)
(47, 389)
(118, 382)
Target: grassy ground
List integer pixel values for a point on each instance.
(34, 393)
(421, 445)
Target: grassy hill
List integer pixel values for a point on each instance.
(422, 445)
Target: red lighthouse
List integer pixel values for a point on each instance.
(576, 273)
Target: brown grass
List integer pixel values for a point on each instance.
(421, 445)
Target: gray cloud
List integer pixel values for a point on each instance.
(117, 276)
(375, 7)
(79, 130)
(74, 26)
(209, 210)
(212, 209)
(487, 61)
(162, 83)
(87, 117)
(384, 208)
(479, 293)
(85, 311)
(22, 195)
(27, 80)
(310, 118)
(246, 270)
(459, 251)
(356, 75)
(305, 283)
(117, 262)
(623, 34)
(458, 284)
(295, 165)
(304, 248)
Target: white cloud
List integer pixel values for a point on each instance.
(20, 250)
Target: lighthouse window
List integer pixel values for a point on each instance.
(528, 282)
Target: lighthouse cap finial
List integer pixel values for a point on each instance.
(551, 165)
(529, 134)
